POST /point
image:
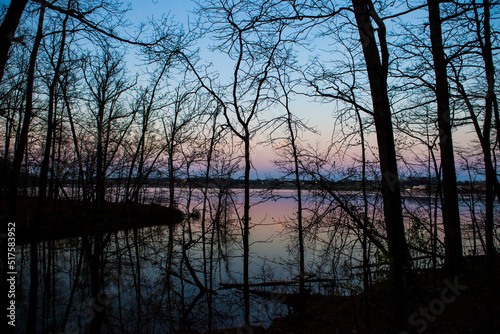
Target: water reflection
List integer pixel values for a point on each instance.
(162, 279)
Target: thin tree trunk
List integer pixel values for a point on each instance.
(366, 221)
(246, 229)
(490, 104)
(171, 185)
(491, 176)
(296, 163)
(99, 185)
(81, 176)
(204, 209)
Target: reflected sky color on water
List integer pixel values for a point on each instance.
(146, 287)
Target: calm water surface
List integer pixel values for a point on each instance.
(160, 279)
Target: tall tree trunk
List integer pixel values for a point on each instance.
(298, 186)
(8, 30)
(492, 186)
(42, 192)
(490, 104)
(377, 69)
(23, 137)
(451, 216)
(18, 158)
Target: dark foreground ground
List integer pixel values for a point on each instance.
(437, 303)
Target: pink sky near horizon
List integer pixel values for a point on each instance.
(317, 114)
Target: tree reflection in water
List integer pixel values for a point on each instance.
(151, 280)
(162, 279)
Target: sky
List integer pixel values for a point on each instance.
(182, 11)
(317, 115)
(145, 9)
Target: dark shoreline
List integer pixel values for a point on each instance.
(70, 218)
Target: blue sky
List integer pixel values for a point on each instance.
(181, 11)
(142, 10)
(318, 115)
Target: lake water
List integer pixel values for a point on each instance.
(160, 279)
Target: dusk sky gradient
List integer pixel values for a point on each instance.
(317, 115)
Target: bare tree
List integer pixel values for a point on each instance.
(237, 27)
(106, 81)
(377, 66)
(287, 143)
(147, 106)
(177, 122)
